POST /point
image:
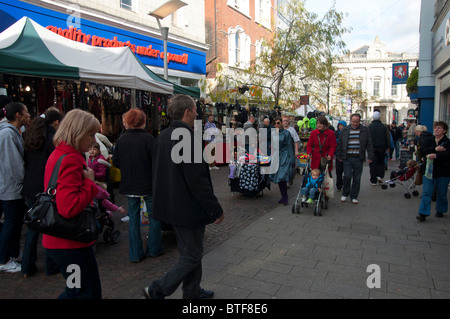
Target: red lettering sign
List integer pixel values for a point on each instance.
(77, 35)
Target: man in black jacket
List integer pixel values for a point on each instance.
(396, 133)
(183, 197)
(381, 141)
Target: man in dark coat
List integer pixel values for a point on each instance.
(381, 141)
(183, 197)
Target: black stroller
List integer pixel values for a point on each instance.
(320, 200)
(106, 225)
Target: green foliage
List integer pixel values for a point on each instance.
(411, 83)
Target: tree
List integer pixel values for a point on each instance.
(295, 52)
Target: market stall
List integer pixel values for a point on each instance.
(38, 64)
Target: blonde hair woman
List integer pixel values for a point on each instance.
(75, 190)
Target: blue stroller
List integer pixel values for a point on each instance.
(320, 200)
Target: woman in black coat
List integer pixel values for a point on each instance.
(133, 156)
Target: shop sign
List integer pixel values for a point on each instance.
(441, 44)
(399, 73)
(74, 26)
(75, 34)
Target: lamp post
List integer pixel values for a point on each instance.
(160, 13)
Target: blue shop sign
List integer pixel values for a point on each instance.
(75, 27)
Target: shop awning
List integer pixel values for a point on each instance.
(27, 48)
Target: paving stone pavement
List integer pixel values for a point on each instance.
(263, 251)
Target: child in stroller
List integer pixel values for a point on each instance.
(99, 165)
(312, 186)
(404, 177)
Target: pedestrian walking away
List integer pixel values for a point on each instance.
(354, 142)
(381, 141)
(133, 156)
(183, 197)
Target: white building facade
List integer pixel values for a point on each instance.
(369, 70)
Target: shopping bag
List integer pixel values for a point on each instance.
(144, 213)
(429, 169)
(114, 173)
(328, 185)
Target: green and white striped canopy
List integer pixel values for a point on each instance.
(27, 48)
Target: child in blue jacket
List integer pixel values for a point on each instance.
(312, 186)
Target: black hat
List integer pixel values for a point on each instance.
(394, 122)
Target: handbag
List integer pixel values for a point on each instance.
(114, 173)
(43, 216)
(323, 159)
(328, 185)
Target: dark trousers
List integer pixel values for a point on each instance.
(13, 211)
(353, 167)
(339, 172)
(84, 258)
(377, 166)
(188, 269)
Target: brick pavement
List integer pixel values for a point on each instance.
(262, 250)
(122, 279)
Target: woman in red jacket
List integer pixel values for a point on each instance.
(75, 190)
(321, 143)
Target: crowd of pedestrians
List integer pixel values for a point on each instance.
(178, 192)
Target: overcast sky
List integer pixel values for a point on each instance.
(396, 22)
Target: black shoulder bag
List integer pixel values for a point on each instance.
(44, 217)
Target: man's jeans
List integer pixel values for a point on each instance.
(441, 184)
(353, 167)
(397, 149)
(154, 243)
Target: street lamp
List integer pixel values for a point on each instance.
(160, 13)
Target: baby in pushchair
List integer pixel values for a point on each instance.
(312, 186)
(405, 178)
(407, 172)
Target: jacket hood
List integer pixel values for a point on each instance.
(343, 123)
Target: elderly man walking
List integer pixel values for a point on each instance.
(354, 142)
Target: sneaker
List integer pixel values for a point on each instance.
(309, 201)
(379, 179)
(11, 266)
(355, 201)
(343, 198)
(215, 167)
(373, 184)
(303, 199)
(125, 219)
(150, 294)
(439, 215)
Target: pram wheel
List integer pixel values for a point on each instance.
(295, 209)
(408, 195)
(107, 235)
(392, 185)
(115, 236)
(415, 193)
(317, 211)
(384, 186)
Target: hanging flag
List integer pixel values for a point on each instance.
(399, 73)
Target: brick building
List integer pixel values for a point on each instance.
(234, 31)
